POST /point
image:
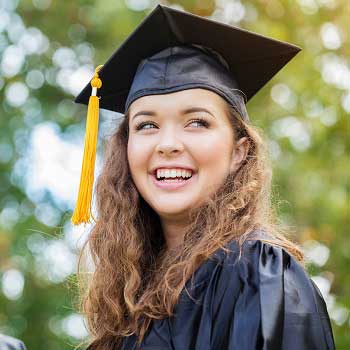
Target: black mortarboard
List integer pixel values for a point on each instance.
(173, 50)
(253, 59)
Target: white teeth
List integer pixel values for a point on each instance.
(172, 173)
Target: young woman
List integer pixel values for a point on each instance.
(186, 248)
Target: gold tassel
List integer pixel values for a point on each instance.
(82, 211)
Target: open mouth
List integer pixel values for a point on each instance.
(172, 179)
(173, 176)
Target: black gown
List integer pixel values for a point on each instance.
(264, 301)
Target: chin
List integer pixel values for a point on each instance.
(171, 209)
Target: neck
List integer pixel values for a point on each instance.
(174, 231)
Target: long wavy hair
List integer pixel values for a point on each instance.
(135, 278)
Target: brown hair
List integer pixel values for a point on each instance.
(135, 279)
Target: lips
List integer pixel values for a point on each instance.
(173, 184)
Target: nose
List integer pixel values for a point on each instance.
(169, 143)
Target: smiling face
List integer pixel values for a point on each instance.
(180, 149)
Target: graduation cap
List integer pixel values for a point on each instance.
(173, 50)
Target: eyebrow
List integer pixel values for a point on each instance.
(185, 111)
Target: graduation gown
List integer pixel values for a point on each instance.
(264, 301)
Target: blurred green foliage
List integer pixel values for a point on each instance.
(48, 50)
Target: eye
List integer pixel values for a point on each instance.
(145, 125)
(200, 121)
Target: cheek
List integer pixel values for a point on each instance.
(215, 151)
(137, 156)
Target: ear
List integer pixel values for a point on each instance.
(239, 153)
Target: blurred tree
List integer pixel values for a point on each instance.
(48, 50)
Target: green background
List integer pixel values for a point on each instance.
(48, 50)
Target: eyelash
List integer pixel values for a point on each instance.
(201, 120)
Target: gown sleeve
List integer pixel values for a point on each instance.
(265, 300)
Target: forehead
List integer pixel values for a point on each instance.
(180, 100)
